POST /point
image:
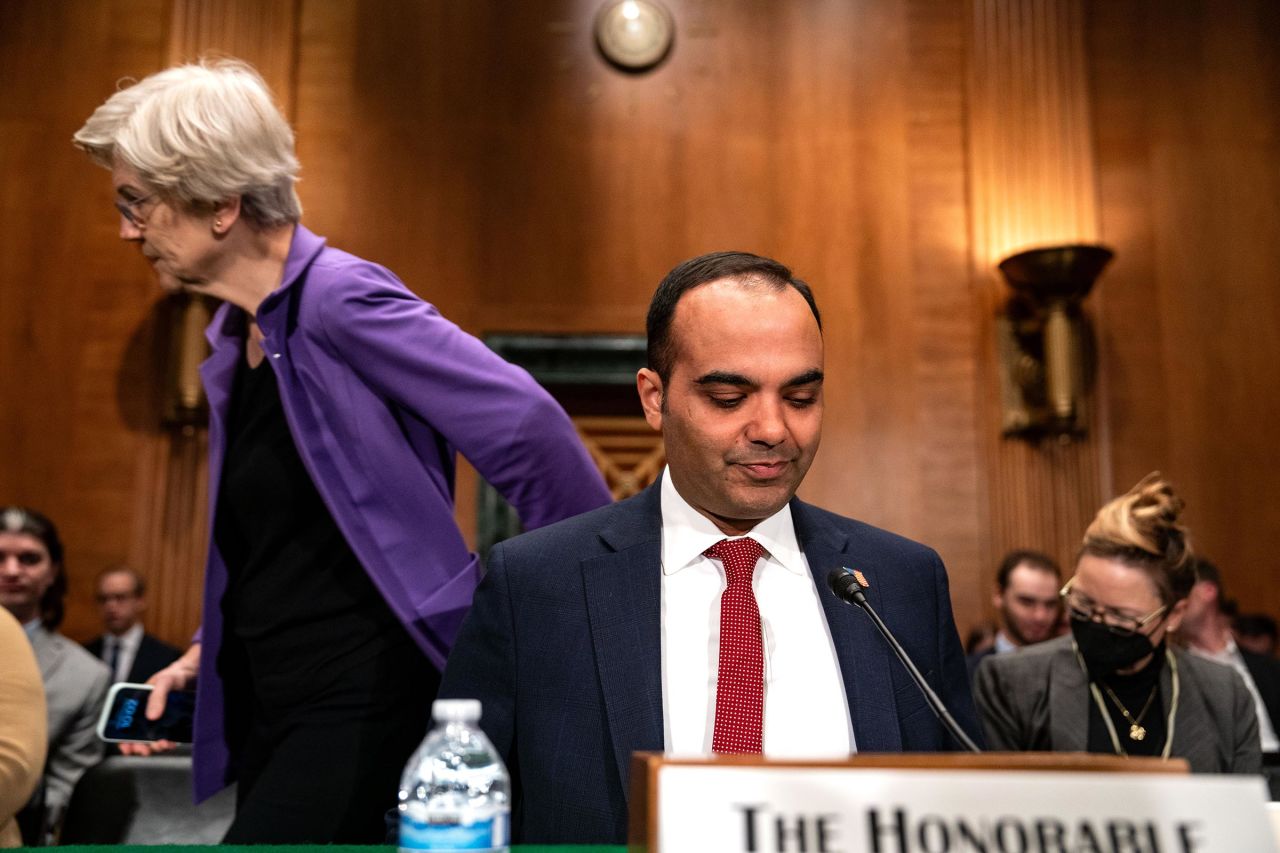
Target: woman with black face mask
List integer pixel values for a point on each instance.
(1114, 685)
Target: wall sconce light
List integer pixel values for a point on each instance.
(185, 407)
(1043, 341)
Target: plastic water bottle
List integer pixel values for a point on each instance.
(455, 793)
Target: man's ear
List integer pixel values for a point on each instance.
(649, 387)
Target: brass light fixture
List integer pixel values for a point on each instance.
(185, 406)
(1043, 340)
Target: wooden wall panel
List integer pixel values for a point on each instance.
(890, 151)
(261, 32)
(74, 314)
(82, 327)
(171, 515)
(1188, 129)
(1033, 181)
(491, 158)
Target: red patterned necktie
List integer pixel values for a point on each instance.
(740, 683)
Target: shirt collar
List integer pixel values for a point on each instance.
(130, 639)
(687, 533)
(1230, 653)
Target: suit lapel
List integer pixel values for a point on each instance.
(865, 659)
(141, 658)
(1069, 698)
(48, 652)
(1193, 734)
(217, 377)
(623, 594)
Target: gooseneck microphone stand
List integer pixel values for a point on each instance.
(848, 584)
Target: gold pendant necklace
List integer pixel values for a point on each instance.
(1136, 730)
(1171, 721)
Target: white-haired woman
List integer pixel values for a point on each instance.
(1115, 685)
(336, 577)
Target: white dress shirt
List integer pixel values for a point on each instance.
(1230, 656)
(129, 642)
(806, 713)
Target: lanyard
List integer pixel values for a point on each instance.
(1173, 707)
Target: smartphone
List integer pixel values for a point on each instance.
(124, 718)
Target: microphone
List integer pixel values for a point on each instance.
(848, 586)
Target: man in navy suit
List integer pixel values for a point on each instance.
(615, 631)
(133, 654)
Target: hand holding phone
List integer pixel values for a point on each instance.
(179, 675)
(124, 718)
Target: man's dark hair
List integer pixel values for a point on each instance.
(1208, 572)
(139, 582)
(21, 519)
(1024, 557)
(705, 269)
(1256, 625)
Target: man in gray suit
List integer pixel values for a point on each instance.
(32, 585)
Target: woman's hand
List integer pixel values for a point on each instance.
(179, 675)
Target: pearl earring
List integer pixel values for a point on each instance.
(217, 223)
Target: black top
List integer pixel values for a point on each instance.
(298, 602)
(1132, 690)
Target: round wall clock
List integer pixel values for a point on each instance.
(634, 34)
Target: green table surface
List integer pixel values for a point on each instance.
(311, 848)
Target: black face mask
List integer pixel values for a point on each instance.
(1105, 653)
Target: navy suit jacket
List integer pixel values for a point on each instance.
(563, 648)
(153, 656)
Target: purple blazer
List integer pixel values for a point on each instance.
(379, 391)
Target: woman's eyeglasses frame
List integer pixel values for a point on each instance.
(1080, 605)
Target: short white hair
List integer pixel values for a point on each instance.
(201, 134)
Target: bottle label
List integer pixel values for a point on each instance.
(488, 834)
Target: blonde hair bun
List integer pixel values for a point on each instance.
(1141, 527)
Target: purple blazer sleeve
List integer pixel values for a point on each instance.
(491, 411)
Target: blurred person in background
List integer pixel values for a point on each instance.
(1206, 631)
(336, 576)
(1026, 598)
(980, 640)
(125, 647)
(1256, 632)
(23, 727)
(1115, 685)
(33, 583)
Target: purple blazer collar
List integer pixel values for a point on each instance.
(227, 325)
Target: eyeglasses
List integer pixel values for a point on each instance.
(104, 597)
(1081, 606)
(128, 209)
